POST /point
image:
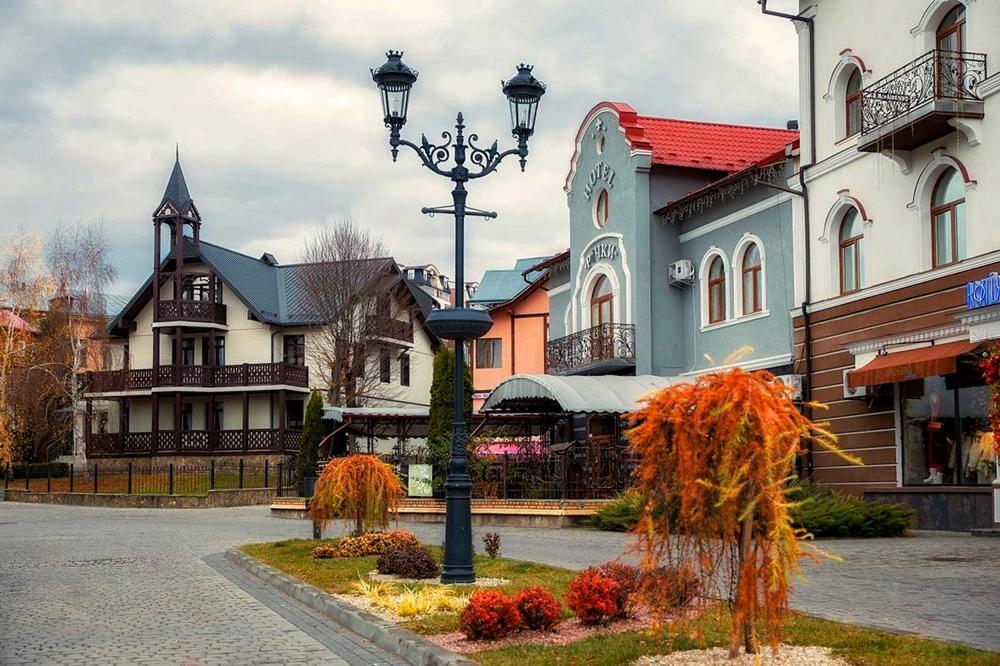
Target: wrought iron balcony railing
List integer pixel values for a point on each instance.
(198, 376)
(604, 342)
(197, 311)
(937, 75)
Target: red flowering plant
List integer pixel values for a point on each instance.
(629, 580)
(490, 614)
(538, 608)
(989, 365)
(593, 596)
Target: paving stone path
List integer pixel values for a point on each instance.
(141, 586)
(131, 586)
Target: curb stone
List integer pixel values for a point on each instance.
(410, 646)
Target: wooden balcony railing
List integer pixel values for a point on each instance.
(194, 442)
(195, 311)
(394, 329)
(198, 376)
(603, 344)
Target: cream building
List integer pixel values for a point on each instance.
(220, 360)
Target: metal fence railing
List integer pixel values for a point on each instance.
(137, 478)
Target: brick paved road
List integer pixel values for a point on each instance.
(82, 585)
(130, 586)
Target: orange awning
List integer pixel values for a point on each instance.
(910, 364)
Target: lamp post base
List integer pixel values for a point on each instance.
(457, 567)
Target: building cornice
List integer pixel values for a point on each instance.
(870, 346)
(741, 214)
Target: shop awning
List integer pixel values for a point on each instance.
(902, 366)
(574, 393)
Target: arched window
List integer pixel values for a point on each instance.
(851, 233)
(852, 103)
(601, 210)
(948, 219)
(752, 300)
(601, 302)
(949, 40)
(716, 291)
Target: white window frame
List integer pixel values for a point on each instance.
(706, 263)
(739, 253)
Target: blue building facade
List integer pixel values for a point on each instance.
(680, 248)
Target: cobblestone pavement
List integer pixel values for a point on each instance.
(130, 586)
(939, 584)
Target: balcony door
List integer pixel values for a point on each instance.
(601, 318)
(950, 45)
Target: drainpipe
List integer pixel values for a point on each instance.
(806, 324)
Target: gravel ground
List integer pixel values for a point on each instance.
(788, 655)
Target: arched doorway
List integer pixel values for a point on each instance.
(602, 319)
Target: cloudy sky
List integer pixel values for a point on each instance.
(278, 120)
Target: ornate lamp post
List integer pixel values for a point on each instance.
(395, 79)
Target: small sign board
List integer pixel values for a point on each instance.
(983, 293)
(419, 481)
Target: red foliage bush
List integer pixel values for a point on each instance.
(593, 596)
(538, 608)
(666, 589)
(629, 580)
(489, 614)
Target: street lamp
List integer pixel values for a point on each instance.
(395, 80)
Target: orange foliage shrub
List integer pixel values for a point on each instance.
(324, 552)
(593, 596)
(539, 609)
(715, 460)
(358, 489)
(489, 614)
(374, 543)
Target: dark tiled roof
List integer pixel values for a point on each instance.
(177, 191)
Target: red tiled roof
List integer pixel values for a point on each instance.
(692, 144)
(713, 146)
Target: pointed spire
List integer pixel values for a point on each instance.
(177, 194)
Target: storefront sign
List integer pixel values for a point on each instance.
(601, 251)
(983, 293)
(600, 172)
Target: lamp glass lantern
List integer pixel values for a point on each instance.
(394, 79)
(523, 93)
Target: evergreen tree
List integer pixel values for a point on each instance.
(442, 411)
(312, 434)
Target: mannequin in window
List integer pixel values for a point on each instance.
(940, 447)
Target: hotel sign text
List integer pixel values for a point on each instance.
(600, 172)
(983, 293)
(601, 251)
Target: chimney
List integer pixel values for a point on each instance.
(792, 125)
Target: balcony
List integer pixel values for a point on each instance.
(195, 442)
(393, 329)
(912, 106)
(601, 350)
(198, 376)
(205, 312)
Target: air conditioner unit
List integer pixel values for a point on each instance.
(856, 393)
(794, 382)
(681, 273)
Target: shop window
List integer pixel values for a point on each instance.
(294, 414)
(489, 353)
(948, 219)
(752, 276)
(601, 210)
(851, 233)
(946, 437)
(404, 369)
(384, 366)
(716, 291)
(294, 349)
(852, 104)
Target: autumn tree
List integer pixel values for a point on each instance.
(351, 290)
(717, 458)
(442, 412)
(23, 285)
(361, 490)
(79, 263)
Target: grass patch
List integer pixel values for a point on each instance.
(858, 645)
(338, 576)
